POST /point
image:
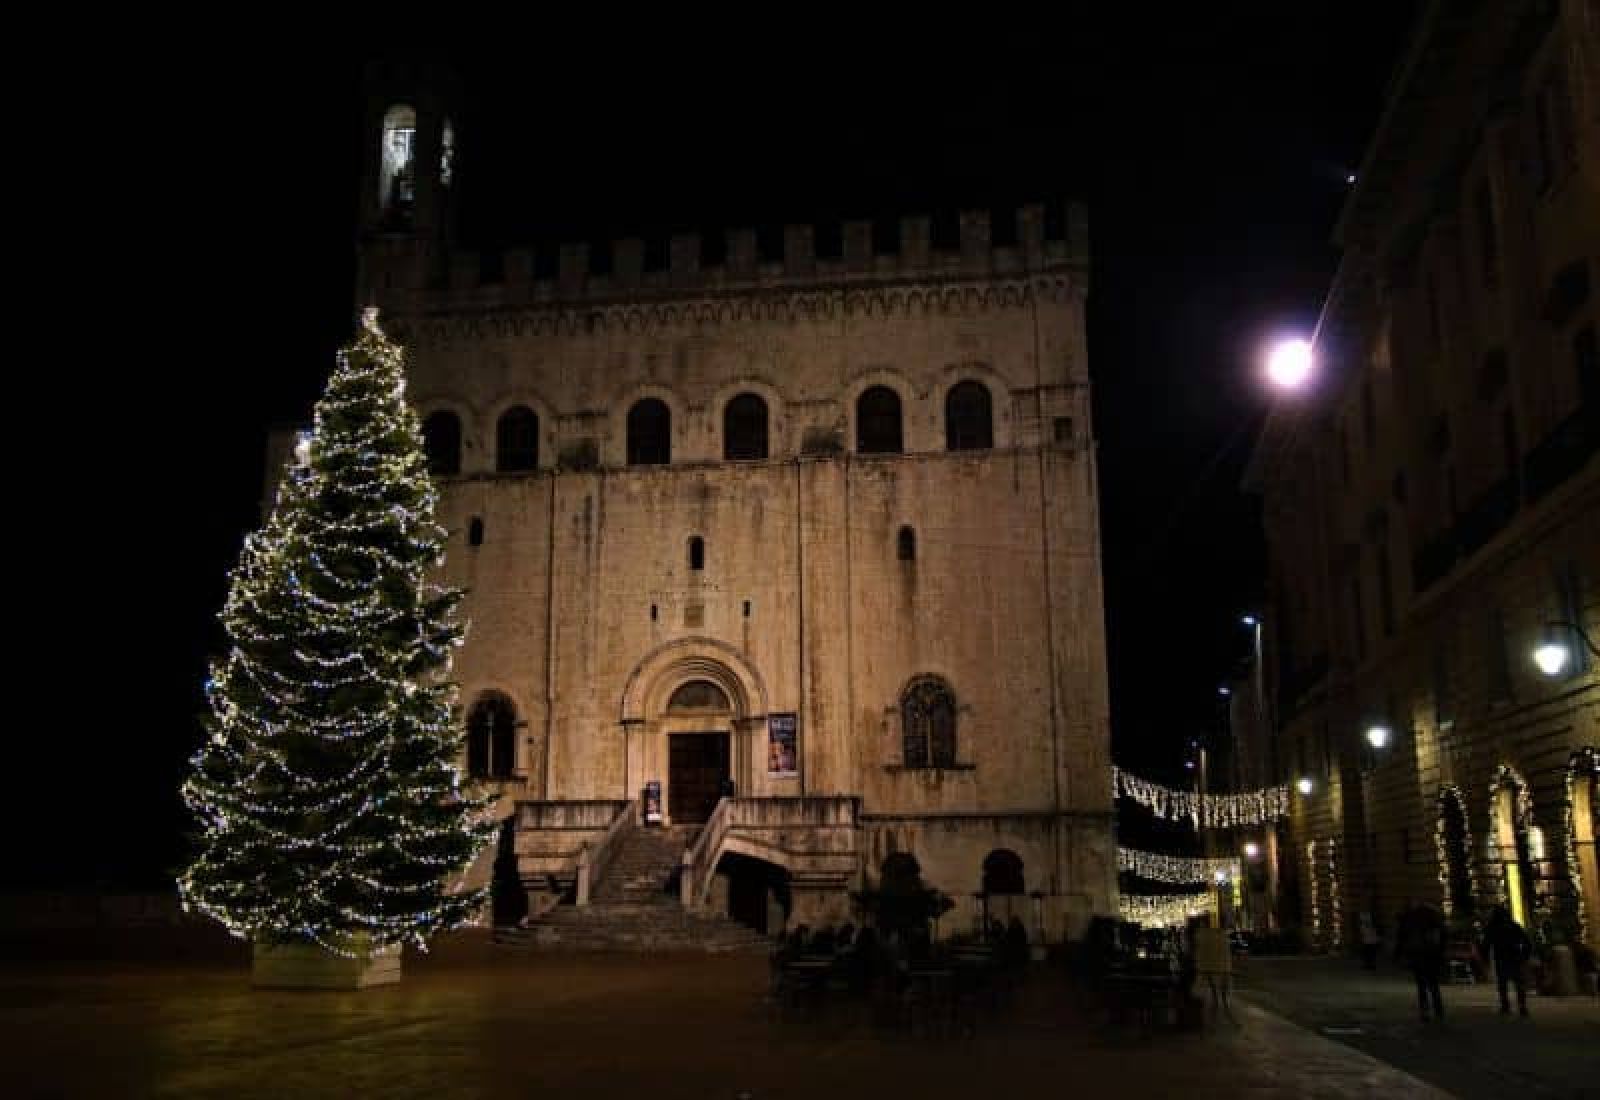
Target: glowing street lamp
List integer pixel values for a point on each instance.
(1289, 364)
(1251, 850)
(1554, 655)
(1305, 784)
(1377, 735)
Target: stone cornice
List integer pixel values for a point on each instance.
(433, 322)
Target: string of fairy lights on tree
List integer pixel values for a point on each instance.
(1583, 773)
(328, 789)
(1204, 811)
(1177, 870)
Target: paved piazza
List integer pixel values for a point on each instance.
(551, 1025)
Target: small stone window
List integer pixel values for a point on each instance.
(878, 428)
(475, 531)
(441, 443)
(491, 737)
(517, 440)
(649, 433)
(928, 724)
(906, 545)
(968, 417)
(697, 553)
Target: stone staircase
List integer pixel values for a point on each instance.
(635, 908)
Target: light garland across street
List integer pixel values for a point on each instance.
(1178, 870)
(1165, 909)
(1211, 811)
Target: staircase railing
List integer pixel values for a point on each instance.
(707, 847)
(594, 862)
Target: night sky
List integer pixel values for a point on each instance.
(191, 245)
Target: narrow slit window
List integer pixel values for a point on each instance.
(906, 545)
(697, 553)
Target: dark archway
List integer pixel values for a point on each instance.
(517, 440)
(441, 443)
(744, 429)
(968, 417)
(1002, 873)
(649, 433)
(878, 427)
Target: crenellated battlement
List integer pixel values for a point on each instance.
(855, 252)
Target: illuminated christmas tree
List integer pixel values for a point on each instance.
(328, 790)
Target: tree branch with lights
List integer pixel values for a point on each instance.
(328, 789)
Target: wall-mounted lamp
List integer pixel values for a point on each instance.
(1377, 735)
(1305, 784)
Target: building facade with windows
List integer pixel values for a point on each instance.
(1432, 511)
(812, 524)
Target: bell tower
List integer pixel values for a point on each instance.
(408, 180)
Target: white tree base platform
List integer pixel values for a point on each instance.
(300, 966)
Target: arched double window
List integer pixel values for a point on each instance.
(491, 737)
(441, 442)
(516, 440)
(744, 428)
(649, 433)
(968, 417)
(928, 724)
(878, 428)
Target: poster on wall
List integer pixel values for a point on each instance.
(652, 802)
(781, 755)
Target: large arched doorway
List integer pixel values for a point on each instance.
(699, 758)
(1510, 820)
(694, 724)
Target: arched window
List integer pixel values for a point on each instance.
(517, 440)
(928, 725)
(649, 433)
(699, 695)
(441, 442)
(878, 422)
(968, 417)
(475, 531)
(397, 181)
(697, 553)
(1510, 824)
(744, 428)
(491, 737)
(905, 545)
(1002, 872)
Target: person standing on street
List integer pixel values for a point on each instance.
(1370, 941)
(1507, 942)
(1420, 944)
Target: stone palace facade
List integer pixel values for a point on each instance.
(796, 546)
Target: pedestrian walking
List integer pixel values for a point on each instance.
(1370, 941)
(1419, 943)
(1507, 943)
(1213, 960)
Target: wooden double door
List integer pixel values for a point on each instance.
(697, 766)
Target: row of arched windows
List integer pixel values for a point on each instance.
(927, 728)
(968, 420)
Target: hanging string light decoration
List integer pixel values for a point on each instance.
(1213, 811)
(1178, 870)
(328, 790)
(1155, 910)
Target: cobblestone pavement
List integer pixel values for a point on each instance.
(1474, 1052)
(575, 1026)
